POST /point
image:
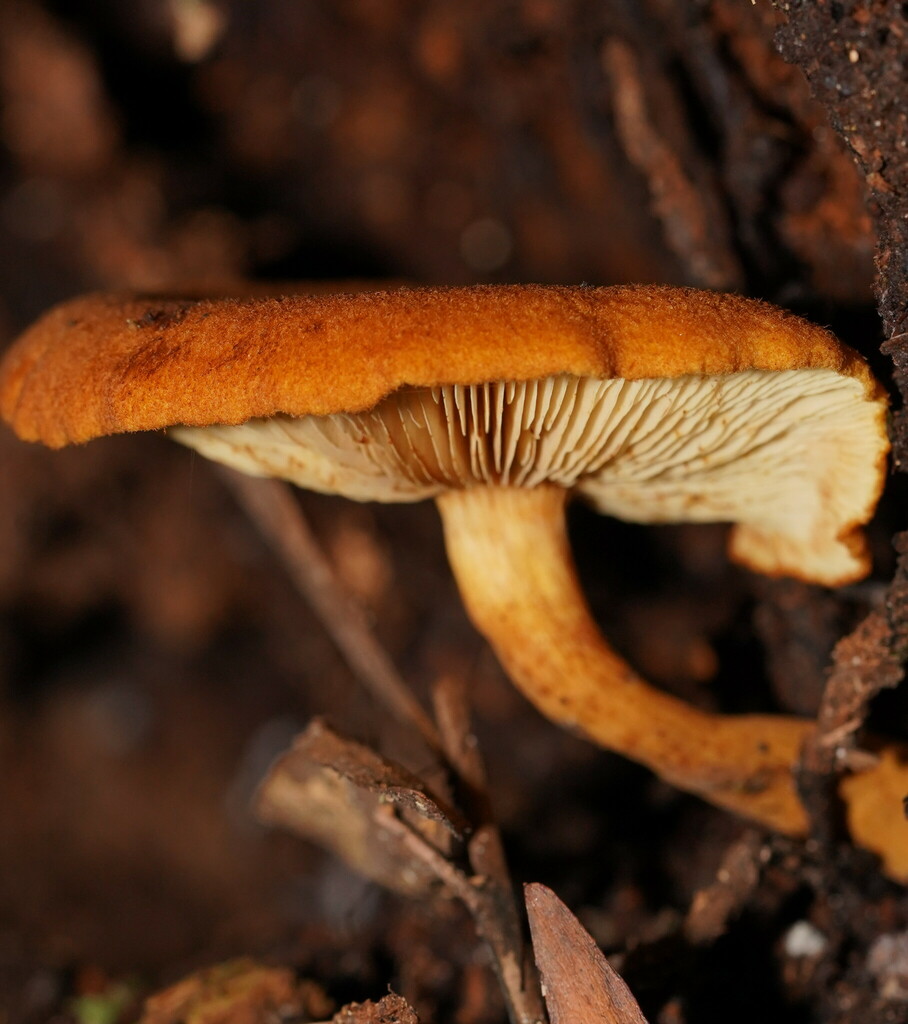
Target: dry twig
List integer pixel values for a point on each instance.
(502, 920)
(693, 222)
(482, 898)
(271, 506)
(713, 906)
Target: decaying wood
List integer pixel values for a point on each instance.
(856, 61)
(870, 659)
(392, 1009)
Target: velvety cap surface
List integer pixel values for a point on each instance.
(107, 364)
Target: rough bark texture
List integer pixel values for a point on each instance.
(855, 58)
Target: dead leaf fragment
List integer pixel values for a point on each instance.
(236, 992)
(578, 982)
(341, 795)
(368, 771)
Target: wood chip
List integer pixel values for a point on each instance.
(579, 985)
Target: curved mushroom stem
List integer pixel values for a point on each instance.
(509, 551)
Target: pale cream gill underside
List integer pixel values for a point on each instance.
(786, 452)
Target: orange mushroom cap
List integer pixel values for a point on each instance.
(755, 416)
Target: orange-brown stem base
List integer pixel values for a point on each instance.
(509, 551)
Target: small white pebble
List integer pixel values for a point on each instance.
(804, 940)
(853, 56)
(887, 961)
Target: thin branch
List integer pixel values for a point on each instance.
(486, 849)
(461, 749)
(717, 903)
(482, 900)
(272, 507)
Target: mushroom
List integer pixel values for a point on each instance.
(655, 404)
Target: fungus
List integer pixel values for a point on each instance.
(654, 404)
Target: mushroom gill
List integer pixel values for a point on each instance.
(737, 447)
